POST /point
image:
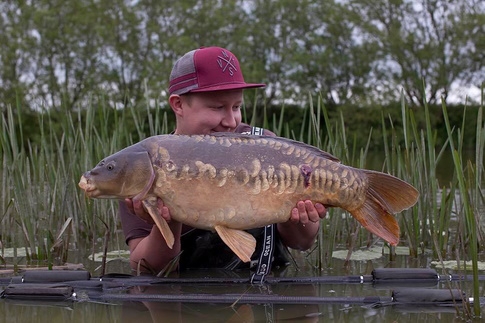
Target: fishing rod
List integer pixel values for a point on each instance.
(383, 276)
(403, 296)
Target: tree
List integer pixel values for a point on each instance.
(15, 59)
(420, 42)
(68, 54)
(304, 47)
(169, 29)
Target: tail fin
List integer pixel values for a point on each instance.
(386, 195)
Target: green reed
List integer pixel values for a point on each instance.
(471, 197)
(43, 210)
(414, 157)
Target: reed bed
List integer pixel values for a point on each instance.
(42, 209)
(44, 214)
(447, 219)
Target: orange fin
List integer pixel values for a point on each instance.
(161, 223)
(374, 218)
(393, 193)
(385, 196)
(240, 242)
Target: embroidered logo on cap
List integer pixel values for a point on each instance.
(227, 62)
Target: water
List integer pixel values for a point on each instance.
(234, 310)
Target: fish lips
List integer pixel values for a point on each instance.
(87, 186)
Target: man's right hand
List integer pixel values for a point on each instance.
(137, 208)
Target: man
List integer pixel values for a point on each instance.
(206, 94)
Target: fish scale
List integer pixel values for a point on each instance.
(232, 182)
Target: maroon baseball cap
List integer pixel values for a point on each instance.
(207, 69)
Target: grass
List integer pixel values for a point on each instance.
(43, 211)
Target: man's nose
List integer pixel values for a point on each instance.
(229, 119)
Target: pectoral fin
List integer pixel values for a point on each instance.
(160, 222)
(240, 242)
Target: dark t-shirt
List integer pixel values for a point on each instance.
(201, 248)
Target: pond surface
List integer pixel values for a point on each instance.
(230, 301)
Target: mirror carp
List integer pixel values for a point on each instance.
(231, 182)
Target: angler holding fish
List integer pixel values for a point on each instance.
(230, 183)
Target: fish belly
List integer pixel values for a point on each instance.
(204, 207)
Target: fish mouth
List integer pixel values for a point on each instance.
(86, 186)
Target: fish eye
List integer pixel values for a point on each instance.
(110, 167)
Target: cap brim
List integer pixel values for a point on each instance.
(232, 86)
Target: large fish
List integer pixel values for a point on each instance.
(232, 182)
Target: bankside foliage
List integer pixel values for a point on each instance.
(289, 121)
(66, 55)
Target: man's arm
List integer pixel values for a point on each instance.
(152, 252)
(148, 249)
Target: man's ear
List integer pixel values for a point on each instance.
(175, 102)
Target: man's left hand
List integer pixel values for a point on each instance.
(306, 211)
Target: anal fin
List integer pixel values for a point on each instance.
(240, 242)
(161, 223)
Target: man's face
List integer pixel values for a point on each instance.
(207, 112)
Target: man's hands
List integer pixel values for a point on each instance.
(137, 208)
